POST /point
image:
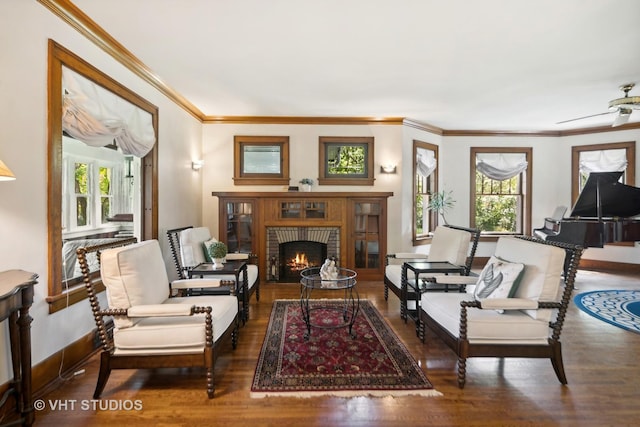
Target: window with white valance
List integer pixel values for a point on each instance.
(425, 184)
(501, 166)
(603, 161)
(99, 117)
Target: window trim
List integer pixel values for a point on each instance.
(326, 179)
(243, 178)
(630, 172)
(425, 238)
(527, 187)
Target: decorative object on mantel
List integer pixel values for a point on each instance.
(330, 362)
(306, 184)
(441, 202)
(218, 251)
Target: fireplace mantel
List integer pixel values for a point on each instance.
(360, 218)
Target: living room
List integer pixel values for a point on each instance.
(185, 195)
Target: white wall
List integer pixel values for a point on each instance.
(23, 147)
(304, 162)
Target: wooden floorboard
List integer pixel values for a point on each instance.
(601, 363)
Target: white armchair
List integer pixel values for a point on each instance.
(501, 317)
(150, 329)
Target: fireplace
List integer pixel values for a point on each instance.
(291, 249)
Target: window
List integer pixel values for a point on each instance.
(501, 190)
(90, 198)
(425, 183)
(346, 160)
(261, 160)
(601, 158)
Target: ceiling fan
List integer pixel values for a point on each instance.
(623, 106)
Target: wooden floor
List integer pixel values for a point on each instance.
(601, 363)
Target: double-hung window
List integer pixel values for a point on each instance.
(501, 189)
(425, 184)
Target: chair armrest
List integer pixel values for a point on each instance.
(198, 283)
(453, 279)
(508, 304)
(160, 310)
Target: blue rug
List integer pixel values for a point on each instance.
(619, 308)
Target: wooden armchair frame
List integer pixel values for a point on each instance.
(551, 350)
(109, 360)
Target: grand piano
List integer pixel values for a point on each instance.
(604, 213)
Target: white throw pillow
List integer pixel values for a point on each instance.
(498, 279)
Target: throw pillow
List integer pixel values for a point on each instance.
(498, 279)
(205, 246)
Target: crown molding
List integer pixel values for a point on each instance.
(77, 19)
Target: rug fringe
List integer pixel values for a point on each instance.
(347, 393)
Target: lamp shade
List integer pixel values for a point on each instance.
(5, 172)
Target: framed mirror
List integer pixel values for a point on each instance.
(261, 160)
(346, 160)
(102, 170)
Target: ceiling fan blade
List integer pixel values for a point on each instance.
(585, 117)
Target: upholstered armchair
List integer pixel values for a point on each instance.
(450, 243)
(516, 308)
(151, 329)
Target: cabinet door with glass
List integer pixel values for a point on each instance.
(367, 238)
(237, 222)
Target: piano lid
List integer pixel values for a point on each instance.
(616, 199)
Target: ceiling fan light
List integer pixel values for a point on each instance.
(622, 118)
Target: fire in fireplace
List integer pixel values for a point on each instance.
(297, 255)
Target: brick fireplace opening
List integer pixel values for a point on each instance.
(291, 249)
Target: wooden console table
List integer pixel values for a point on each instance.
(16, 297)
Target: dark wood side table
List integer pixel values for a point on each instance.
(16, 297)
(236, 268)
(415, 289)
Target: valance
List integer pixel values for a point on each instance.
(425, 162)
(99, 117)
(603, 161)
(501, 166)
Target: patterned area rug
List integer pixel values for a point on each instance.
(331, 362)
(619, 308)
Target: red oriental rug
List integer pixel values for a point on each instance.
(330, 361)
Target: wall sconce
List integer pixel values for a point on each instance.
(388, 169)
(5, 173)
(196, 165)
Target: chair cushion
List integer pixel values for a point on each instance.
(191, 249)
(484, 326)
(394, 274)
(180, 334)
(134, 275)
(542, 274)
(498, 279)
(449, 244)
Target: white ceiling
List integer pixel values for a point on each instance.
(453, 64)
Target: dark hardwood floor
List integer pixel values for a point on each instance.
(601, 363)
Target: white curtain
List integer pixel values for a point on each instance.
(425, 162)
(603, 161)
(501, 166)
(98, 117)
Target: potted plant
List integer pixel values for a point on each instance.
(307, 183)
(441, 202)
(218, 251)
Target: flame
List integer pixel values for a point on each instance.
(300, 262)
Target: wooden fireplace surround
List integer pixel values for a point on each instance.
(348, 211)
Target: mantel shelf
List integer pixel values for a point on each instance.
(301, 194)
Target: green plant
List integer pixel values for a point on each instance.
(307, 181)
(218, 250)
(441, 202)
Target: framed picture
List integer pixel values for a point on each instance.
(346, 160)
(261, 160)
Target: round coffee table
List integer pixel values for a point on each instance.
(344, 283)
